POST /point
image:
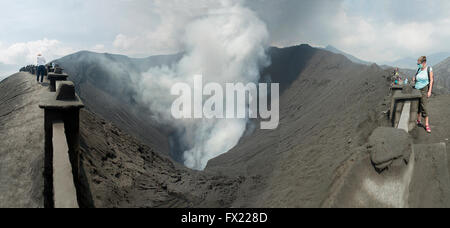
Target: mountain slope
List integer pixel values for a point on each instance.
(105, 83)
(122, 172)
(442, 77)
(350, 57)
(327, 112)
(329, 106)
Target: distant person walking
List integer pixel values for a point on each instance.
(424, 82)
(40, 67)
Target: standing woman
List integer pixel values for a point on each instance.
(424, 82)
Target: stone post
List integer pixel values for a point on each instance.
(62, 106)
(53, 77)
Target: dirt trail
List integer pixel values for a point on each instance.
(22, 142)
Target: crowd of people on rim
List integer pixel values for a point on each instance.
(398, 79)
(41, 68)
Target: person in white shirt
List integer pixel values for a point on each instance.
(40, 67)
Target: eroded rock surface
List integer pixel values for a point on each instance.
(388, 145)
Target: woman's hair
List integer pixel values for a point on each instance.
(422, 59)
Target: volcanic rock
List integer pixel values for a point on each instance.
(387, 145)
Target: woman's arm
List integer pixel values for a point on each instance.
(431, 83)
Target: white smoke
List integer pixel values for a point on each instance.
(227, 44)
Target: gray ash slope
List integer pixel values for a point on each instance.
(122, 172)
(442, 77)
(329, 107)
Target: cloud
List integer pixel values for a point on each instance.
(149, 27)
(25, 53)
(291, 22)
(99, 48)
(389, 41)
(381, 30)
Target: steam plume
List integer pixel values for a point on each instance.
(227, 44)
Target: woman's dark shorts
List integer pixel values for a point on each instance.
(423, 105)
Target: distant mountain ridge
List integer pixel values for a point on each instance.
(411, 62)
(349, 56)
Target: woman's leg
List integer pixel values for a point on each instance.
(424, 109)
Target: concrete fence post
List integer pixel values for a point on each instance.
(401, 96)
(56, 75)
(63, 106)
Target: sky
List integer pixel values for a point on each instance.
(373, 30)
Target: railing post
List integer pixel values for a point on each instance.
(56, 75)
(64, 105)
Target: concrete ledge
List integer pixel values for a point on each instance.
(364, 187)
(64, 188)
(397, 87)
(64, 98)
(49, 102)
(405, 96)
(57, 76)
(405, 117)
(397, 102)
